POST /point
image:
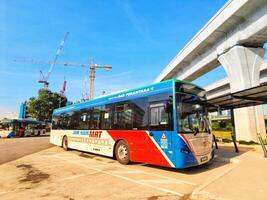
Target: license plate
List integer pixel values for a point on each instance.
(204, 158)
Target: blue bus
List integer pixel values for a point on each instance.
(164, 124)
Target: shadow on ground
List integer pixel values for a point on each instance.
(223, 157)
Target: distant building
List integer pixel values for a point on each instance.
(23, 111)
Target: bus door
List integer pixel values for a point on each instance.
(160, 132)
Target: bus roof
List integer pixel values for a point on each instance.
(148, 90)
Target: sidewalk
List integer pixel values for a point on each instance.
(247, 179)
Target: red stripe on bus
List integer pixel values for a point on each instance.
(142, 148)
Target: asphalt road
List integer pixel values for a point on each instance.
(14, 148)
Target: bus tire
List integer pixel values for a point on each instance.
(122, 152)
(65, 143)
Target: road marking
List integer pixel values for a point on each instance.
(213, 179)
(125, 172)
(134, 171)
(165, 177)
(19, 140)
(101, 166)
(2, 193)
(160, 181)
(124, 178)
(76, 176)
(143, 172)
(92, 160)
(9, 142)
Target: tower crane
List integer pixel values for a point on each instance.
(91, 66)
(62, 91)
(44, 78)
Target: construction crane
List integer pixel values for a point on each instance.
(44, 78)
(62, 91)
(91, 66)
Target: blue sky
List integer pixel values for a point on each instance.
(138, 38)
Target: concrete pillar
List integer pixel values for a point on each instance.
(242, 66)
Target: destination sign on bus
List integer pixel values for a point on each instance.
(132, 93)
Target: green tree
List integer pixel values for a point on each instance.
(42, 106)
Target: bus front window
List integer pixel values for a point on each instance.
(191, 114)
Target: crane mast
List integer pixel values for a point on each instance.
(62, 91)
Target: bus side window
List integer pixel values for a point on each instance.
(73, 120)
(128, 116)
(64, 121)
(106, 117)
(140, 113)
(95, 119)
(56, 122)
(123, 116)
(158, 117)
(83, 124)
(89, 117)
(154, 114)
(118, 117)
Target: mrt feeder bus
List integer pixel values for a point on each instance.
(164, 124)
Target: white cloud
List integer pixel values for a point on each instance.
(138, 22)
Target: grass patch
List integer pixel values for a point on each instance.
(224, 135)
(247, 143)
(226, 140)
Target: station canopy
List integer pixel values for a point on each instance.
(244, 98)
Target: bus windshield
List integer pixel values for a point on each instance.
(191, 110)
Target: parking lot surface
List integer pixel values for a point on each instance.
(14, 148)
(57, 174)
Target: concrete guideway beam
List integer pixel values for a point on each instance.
(239, 22)
(242, 66)
(222, 87)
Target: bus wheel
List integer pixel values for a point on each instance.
(65, 143)
(122, 152)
